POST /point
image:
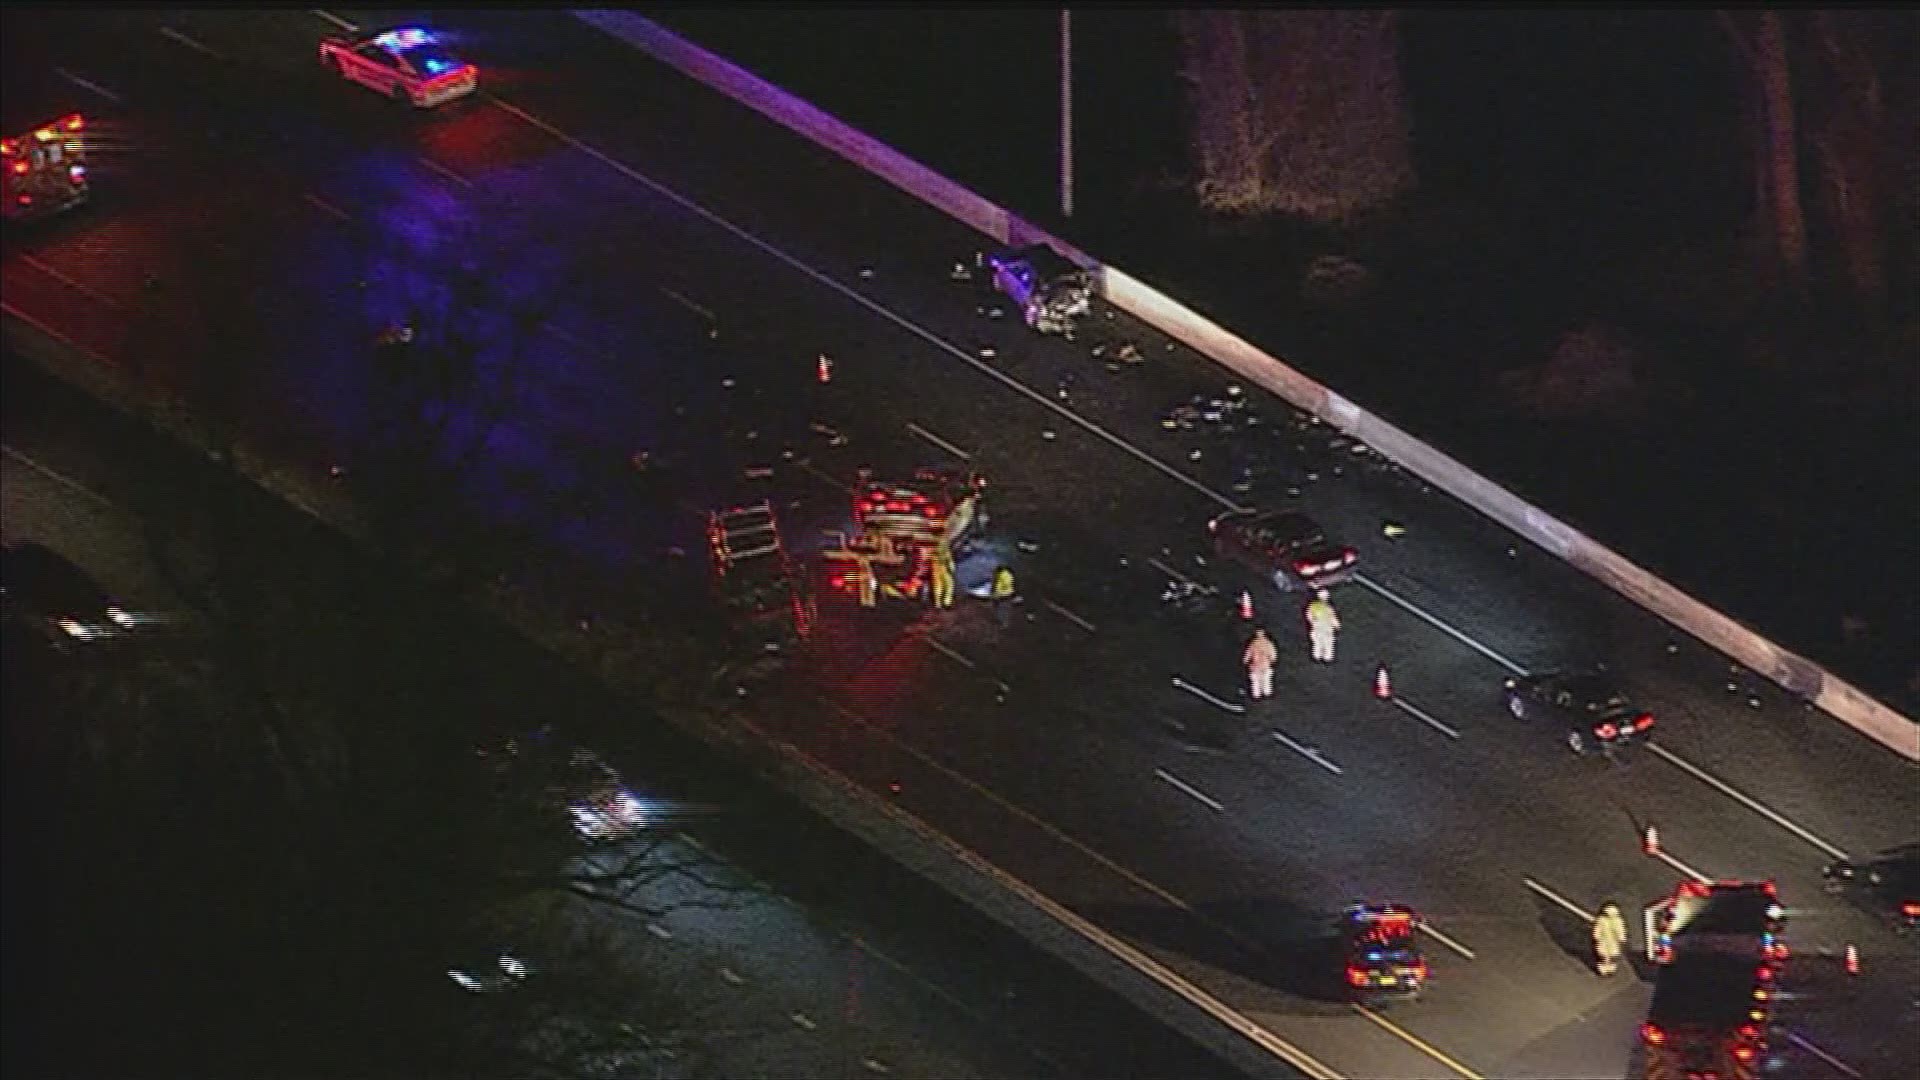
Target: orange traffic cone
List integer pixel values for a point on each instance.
(1650, 841)
(825, 368)
(1853, 960)
(1246, 605)
(1382, 686)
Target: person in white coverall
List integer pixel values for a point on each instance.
(1322, 624)
(1609, 939)
(1259, 658)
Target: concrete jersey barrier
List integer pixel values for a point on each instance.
(1795, 673)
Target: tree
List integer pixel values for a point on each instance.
(1296, 112)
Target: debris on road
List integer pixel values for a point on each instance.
(1393, 530)
(1048, 434)
(961, 272)
(866, 272)
(987, 352)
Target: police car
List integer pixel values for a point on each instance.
(1383, 958)
(1592, 705)
(408, 64)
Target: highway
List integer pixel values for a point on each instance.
(692, 261)
(818, 957)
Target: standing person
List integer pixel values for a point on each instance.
(1002, 594)
(942, 576)
(1259, 658)
(1322, 624)
(1609, 939)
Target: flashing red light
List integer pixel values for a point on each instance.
(1743, 1053)
(1764, 973)
(25, 200)
(1606, 731)
(1911, 909)
(1357, 976)
(1420, 970)
(1693, 888)
(77, 173)
(1750, 1031)
(1306, 569)
(1652, 1035)
(74, 122)
(20, 167)
(1768, 886)
(1348, 556)
(9, 147)
(1643, 721)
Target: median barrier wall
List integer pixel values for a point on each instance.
(1795, 673)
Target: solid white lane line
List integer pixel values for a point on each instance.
(170, 32)
(938, 441)
(326, 207)
(85, 84)
(950, 653)
(80, 287)
(1744, 800)
(688, 304)
(1443, 939)
(59, 478)
(1424, 716)
(1308, 752)
(1027, 816)
(1558, 899)
(1188, 788)
(1437, 623)
(1696, 875)
(1230, 706)
(444, 171)
(1071, 617)
(931, 338)
(335, 20)
(1842, 1066)
(1170, 571)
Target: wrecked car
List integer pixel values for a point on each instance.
(1051, 291)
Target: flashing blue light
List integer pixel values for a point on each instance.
(405, 38)
(435, 67)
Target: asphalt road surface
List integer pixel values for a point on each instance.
(689, 262)
(818, 957)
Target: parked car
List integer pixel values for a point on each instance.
(1590, 705)
(1285, 547)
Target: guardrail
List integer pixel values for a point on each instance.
(1795, 673)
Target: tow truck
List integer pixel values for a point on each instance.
(899, 524)
(43, 155)
(1719, 954)
(755, 576)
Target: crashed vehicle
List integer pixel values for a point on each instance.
(756, 580)
(1051, 291)
(898, 525)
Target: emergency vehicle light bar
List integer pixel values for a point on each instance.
(403, 38)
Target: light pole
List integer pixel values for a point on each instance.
(1066, 113)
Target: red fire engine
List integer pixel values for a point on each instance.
(45, 167)
(899, 525)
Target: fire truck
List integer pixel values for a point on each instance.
(899, 525)
(1719, 953)
(755, 576)
(43, 158)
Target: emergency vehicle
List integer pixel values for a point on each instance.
(898, 526)
(755, 576)
(408, 64)
(1719, 953)
(44, 157)
(1382, 955)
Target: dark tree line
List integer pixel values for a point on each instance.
(1303, 113)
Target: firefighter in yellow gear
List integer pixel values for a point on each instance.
(942, 576)
(864, 580)
(1002, 595)
(1609, 939)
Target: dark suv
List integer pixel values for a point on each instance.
(1590, 703)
